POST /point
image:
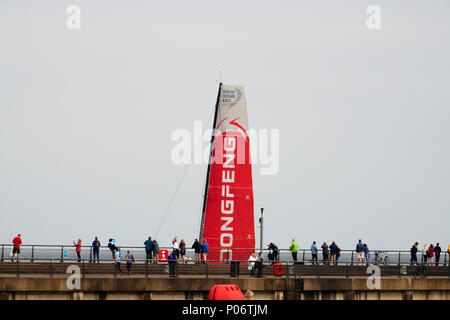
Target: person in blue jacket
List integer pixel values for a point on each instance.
(314, 252)
(172, 260)
(360, 251)
(148, 248)
(204, 251)
(367, 253)
(96, 249)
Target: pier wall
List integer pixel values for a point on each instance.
(101, 288)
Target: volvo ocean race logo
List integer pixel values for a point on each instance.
(230, 97)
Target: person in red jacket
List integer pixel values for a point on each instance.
(17, 241)
(78, 249)
(430, 254)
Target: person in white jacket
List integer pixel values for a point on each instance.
(424, 254)
(251, 264)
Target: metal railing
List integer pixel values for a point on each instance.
(67, 252)
(147, 268)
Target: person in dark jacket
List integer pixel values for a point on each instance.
(273, 252)
(149, 248)
(413, 251)
(325, 253)
(112, 246)
(155, 251)
(198, 251)
(172, 260)
(437, 253)
(333, 252)
(259, 266)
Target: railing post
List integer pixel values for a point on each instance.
(146, 268)
(84, 271)
(352, 258)
(32, 253)
(90, 255)
(62, 253)
(399, 253)
(303, 259)
(3, 250)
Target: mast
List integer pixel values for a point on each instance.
(205, 193)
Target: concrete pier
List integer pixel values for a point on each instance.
(98, 282)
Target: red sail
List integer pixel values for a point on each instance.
(228, 220)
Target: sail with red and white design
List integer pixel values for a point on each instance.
(228, 219)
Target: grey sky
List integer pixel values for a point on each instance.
(86, 117)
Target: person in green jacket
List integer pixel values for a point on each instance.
(294, 249)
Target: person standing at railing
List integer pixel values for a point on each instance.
(148, 248)
(183, 250)
(366, 253)
(314, 252)
(413, 251)
(172, 260)
(437, 253)
(198, 251)
(333, 252)
(155, 251)
(96, 249)
(325, 253)
(360, 252)
(130, 259)
(117, 259)
(204, 251)
(251, 264)
(424, 254)
(259, 265)
(78, 249)
(176, 248)
(430, 254)
(17, 241)
(293, 248)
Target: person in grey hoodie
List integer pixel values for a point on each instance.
(325, 253)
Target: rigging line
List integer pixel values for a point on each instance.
(180, 181)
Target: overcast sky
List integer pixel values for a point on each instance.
(86, 117)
